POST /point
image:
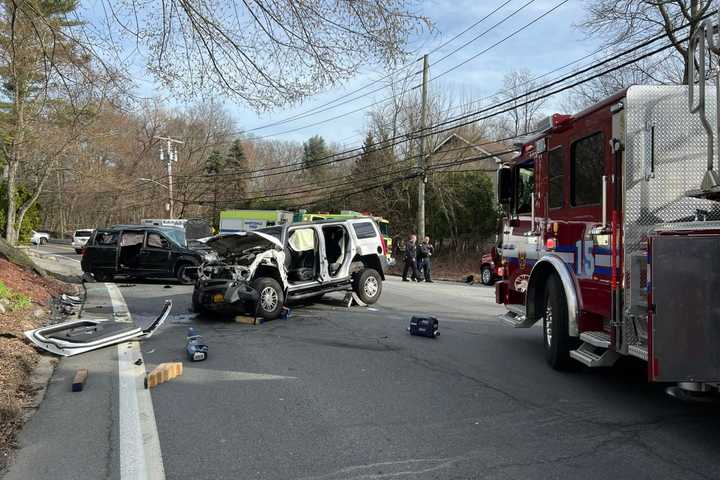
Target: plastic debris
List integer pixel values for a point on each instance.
(196, 350)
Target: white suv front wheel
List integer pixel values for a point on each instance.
(368, 285)
(270, 298)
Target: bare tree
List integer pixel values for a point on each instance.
(620, 22)
(525, 106)
(265, 52)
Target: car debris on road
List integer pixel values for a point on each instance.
(196, 351)
(80, 336)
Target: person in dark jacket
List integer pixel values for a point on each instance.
(425, 251)
(411, 259)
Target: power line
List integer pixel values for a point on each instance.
(326, 106)
(537, 19)
(365, 107)
(387, 143)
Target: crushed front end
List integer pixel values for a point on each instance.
(225, 278)
(222, 287)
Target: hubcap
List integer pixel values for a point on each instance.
(371, 287)
(486, 276)
(268, 299)
(548, 325)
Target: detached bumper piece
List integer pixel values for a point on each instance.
(80, 336)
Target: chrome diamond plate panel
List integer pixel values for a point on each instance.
(665, 156)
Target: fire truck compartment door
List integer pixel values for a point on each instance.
(686, 294)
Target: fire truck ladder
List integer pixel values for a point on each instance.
(710, 186)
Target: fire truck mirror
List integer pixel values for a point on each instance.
(504, 185)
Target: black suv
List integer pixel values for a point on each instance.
(140, 251)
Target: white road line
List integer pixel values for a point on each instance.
(121, 313)
(140, 454)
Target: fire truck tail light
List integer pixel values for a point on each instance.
(550, 244)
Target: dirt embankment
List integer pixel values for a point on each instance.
(24, 305)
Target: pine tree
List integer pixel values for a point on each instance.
(315, 152)
(215, 165)
(236, 157)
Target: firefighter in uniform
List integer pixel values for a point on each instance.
(425, 251)
(411, 259)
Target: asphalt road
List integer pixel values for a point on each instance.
(333, 393)
(57, 250)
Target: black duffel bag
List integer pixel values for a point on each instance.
(424, 326)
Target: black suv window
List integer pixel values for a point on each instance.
(132, 238)
(364, 230)
(155, 240)
(107, 239)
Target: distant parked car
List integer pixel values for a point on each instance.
(80, 238)
(490, 266)
(39, 238)
(140, 251)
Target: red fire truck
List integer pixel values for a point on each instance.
(612, 235)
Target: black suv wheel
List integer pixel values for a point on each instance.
(184, 274)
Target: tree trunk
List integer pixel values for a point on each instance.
(10, 234)
(30, 202)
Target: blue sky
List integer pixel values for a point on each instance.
(549, 43)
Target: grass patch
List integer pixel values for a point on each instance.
(18, 301)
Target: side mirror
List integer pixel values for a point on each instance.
(504, 185)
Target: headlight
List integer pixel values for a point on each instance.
(210, 257)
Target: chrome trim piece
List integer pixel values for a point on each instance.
(639, 351)
(596, 339)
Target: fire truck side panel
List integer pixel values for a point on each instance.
(686, 327)
(664, 158)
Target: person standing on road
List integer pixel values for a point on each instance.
(425, 252)
(411, 259)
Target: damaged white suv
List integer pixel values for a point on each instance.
(257, 272)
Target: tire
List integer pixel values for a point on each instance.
(43, 240)
(196, 305)
(102, 277)
(270, 298)
(368, 286)
(556, 340)
(78, 251)
(486, 276)
(183, 274)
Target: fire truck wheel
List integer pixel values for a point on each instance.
(555, 326)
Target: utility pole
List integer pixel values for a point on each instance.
(422, 179)
(171, 157)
